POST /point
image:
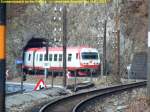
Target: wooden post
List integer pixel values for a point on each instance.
(52, 84)
(75, 80)
(117, 73)
(64, 45)
(104, 49)
(91, 75)
(118, 55)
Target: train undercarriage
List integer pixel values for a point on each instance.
(72, 73)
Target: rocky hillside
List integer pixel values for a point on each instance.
(85, 26)
(134, 20)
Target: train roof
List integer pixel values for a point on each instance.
(59, 48)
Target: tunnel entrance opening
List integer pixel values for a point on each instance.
(35, 42)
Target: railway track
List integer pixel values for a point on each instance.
(73, 103)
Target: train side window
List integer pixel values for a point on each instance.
(55, 57)
(50, 57)
(29, 57)
(60, 57)
(41, 57)
(69, 57)
(37, 57)
(45, 57)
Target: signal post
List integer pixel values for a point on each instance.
(2, 56)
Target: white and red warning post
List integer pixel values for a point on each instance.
(40, 85)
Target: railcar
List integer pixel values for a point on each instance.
(81, 59)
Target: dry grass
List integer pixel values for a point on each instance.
(57, 80)
(98, 81)
(139, 105)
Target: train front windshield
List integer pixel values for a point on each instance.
(89, 55)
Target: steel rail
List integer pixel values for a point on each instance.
(67, 104)
(80, 105)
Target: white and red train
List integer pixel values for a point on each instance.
(78, 58)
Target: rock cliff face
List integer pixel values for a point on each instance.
(85, 27)
(135, 26)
